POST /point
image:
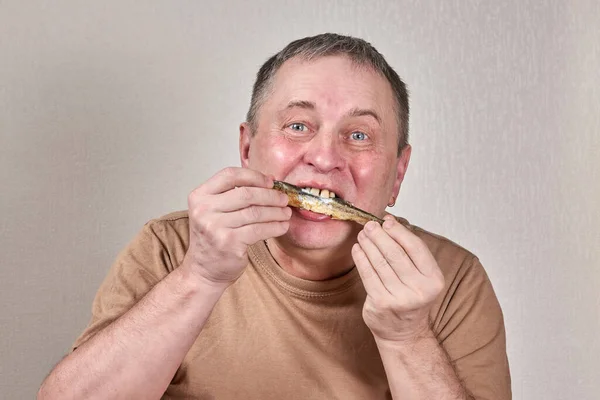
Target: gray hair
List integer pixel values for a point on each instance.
(330, 44)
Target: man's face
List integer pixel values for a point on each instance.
(328, 124)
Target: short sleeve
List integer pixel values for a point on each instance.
(470, 327)
(142, 264)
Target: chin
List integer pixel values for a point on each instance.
(312, 235)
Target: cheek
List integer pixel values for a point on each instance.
(280, 152)
(369, 169)
(373, 176)
(363, 171)
(275, 155)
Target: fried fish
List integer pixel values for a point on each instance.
(335, 207)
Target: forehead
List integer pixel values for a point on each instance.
(332, 82)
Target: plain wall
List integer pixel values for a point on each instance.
(112, 112)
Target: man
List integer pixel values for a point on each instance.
(244, 297)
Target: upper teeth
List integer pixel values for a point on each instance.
(319, 192)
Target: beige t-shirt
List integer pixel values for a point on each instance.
(275, 336)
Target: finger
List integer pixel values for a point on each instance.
(393, 253)
(386, 273)
(368, 275)
(252, 233)
(244, 197)
(255, 214)
(414, 247)
(232, 177)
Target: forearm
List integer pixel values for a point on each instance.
(420, 369)
(138, 354)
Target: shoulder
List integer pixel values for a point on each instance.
(170, 233)
(451, 257)
(437, 244)
(173, 223)
(173, 217)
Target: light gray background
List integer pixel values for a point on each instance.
(111, 112)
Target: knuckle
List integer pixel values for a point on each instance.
(383, 304)
(228, 172)
(370, 273)
(360, 255)
(438, 283)
(281, 228)
(255, 213)
(239, 251)
(245, 194)
(205, 225)
(192, 197)
(197, 210)
(223, 238)
(422, 297)
(280, 198)
(257, 229)
(381, 264)
(392, 255)
(210, 225)
(251, 214)
(246, 214)
(194, 214)
(418, 250)
(419, 245)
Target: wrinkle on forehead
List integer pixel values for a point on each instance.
(368, 85)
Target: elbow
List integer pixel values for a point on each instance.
(43, 392)
(46, 391)
(50, 390)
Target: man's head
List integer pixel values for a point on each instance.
(330, 44)
(327, 112)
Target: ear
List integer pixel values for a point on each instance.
(401, 167)
(245, 140)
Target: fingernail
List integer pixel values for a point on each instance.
(388, 224)
(370, 226)
(389, 217)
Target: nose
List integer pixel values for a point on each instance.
(324, 153)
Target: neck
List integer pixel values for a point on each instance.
(311, 264)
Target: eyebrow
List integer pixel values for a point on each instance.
(360, 112)
(355, 112)
(309, 105)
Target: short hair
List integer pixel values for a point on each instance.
(330, 44)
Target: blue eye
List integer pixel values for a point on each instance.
(358, 136)
(298, 127)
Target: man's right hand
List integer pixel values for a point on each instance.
(137, 355)
(235, 208)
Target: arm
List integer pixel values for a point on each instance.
(137, 349)
(138, 354)
(402, 280)
(420, 369)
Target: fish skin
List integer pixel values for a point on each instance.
(335, 207)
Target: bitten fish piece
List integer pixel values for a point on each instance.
(335, 207)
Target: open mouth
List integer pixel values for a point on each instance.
(322, 201)
(324, 193)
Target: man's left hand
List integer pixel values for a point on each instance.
(402, 280)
